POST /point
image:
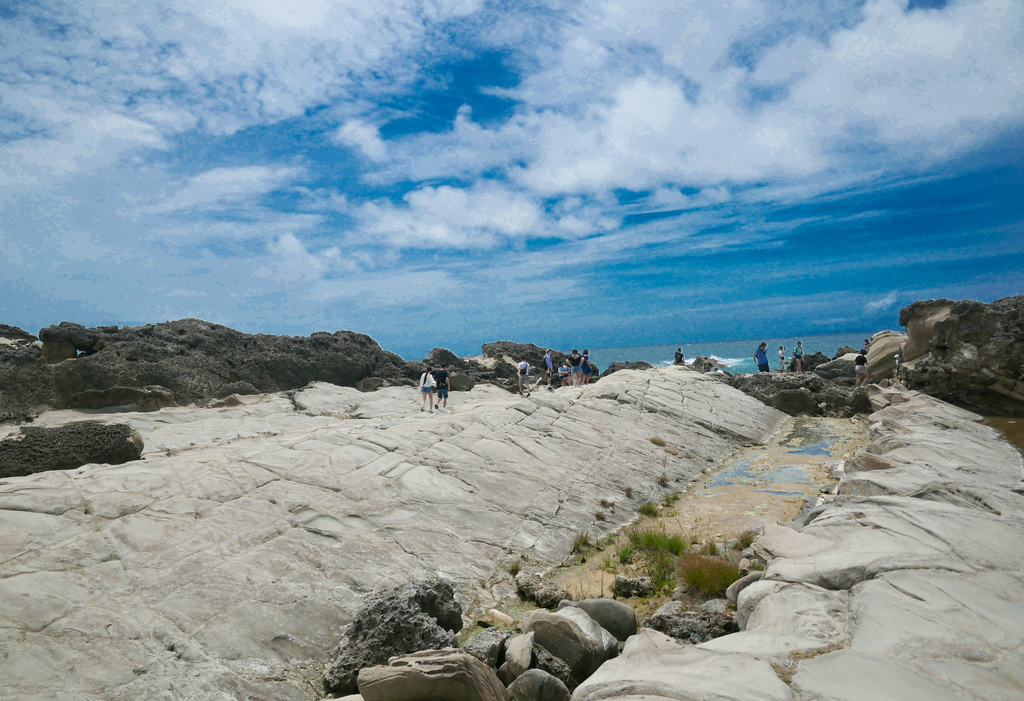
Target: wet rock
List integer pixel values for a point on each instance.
(413, 617)
(542, 591)
(449, 674)
(37, 449)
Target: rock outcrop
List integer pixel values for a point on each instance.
(415, 617)
(967, 353)
(803, 393)
(229, 560)
(619, 365)
(449, 674)
(37, 448)
(190, 359)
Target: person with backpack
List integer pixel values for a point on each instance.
(442, 378)
(427, 389)
(524, 376)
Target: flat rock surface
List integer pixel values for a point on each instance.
(226, 562)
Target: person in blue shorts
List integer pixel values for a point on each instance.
(443, 384)
(761, 358)
(575, 360)
(549, 368)
(585, 366)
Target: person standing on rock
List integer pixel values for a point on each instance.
(549, 369)
(443, 380)
(782, 358)
(585, 366)
(577, 372)
(524, 376)
(427, 389)
(798, 356)
(761, 358)
(861, 365)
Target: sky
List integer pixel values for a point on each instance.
(454, 172)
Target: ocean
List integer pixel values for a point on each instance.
(736, 356)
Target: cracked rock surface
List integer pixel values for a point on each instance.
(227, 561)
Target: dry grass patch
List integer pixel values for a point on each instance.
(707, 575)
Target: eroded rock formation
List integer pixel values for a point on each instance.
(968, 353)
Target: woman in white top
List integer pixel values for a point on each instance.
(427, 389)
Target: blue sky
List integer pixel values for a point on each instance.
(452, 172)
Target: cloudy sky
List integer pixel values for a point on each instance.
(450, 172)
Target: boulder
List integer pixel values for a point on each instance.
(442, 356)
(370, 384)
(448, 674)
(37, 448)
(414, 617)
(536, 588)
(845, 350)
(811, 361)
(461, 382)
(628, 587)
(518, 657)
(617, 618)
(967, 353)
(804, 393)
(14, 335)
(619, 365)
(488, 646)
(674, 620)
(839, 369)
(537, 685)
(885, 345)
(733, 591)
(573, 637)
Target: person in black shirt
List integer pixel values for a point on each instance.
(575, 361)
(861, 365)
(443, 383)
(680, 360)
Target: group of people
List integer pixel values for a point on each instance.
(761, 359)
(575, 370)
(435, 381)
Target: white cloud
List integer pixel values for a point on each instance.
(223, 187)
(291, 262)
(364, 137)
(883, 303)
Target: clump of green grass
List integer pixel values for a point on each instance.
(514, 568)
(710, 548)
(652, 540)
(659, 566)
(745, 540)
(707, 575)
(648, 509)
(608, 566)
(626, 554)
(582, 541)
(673, 498)
(660, 442)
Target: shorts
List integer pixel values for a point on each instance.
(426, 389)
(587, 370)
(549, 372)
(524, 378)
(861, 369)
(442, 392)
(577, 369)
(763, 367)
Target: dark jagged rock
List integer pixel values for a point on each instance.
(967, 353)
(37, 448)
(536, 588)
(693, 627)
(619, 365)
(193, 359)
(15, 334)
(130, 398)
(843, 350)
(413, 617)
(811, 362)
(807, 393)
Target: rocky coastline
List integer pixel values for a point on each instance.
(295, 529)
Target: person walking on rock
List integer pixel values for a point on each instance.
(861, 365)
(798, 356)
(574, 362)
(549, 369)
(443, 380)
(524, 376)
(761, 358)
(427, 389)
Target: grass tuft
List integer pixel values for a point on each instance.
(710, 576)
(660, 442)
(648, 509)
(582, 541)
(653, 540)
(745, 539)
(626, 554)
(628, 492)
